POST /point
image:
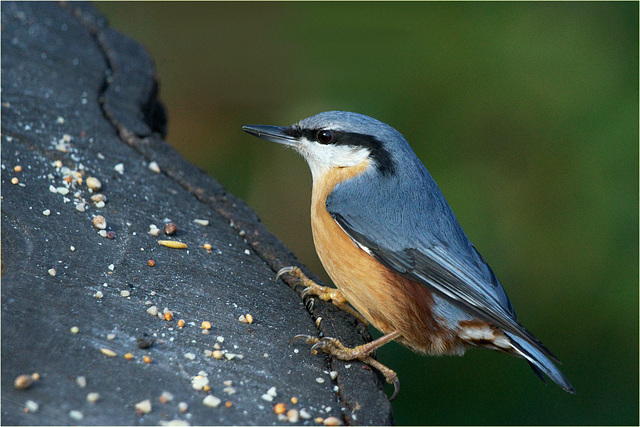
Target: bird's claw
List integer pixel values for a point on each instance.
(284, 270)
(321, 344)
(396, 389)
(307, 339)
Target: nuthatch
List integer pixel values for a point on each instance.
(392, 246)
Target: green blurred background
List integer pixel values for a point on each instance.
(526, 115)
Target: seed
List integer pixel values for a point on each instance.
(279, 408)
(17, 168)
(293, 416)
(320, 380)
(249, 318)
(52, 271)
(146, 359)
(242, 319)
(23, 382)
(128, 356)
(216, 354)
(170, 229)
(93, 183)
(207, 246)
(99, 222)
(35, 376)
(76, 415)
(15, 180)
(332, 421)
(46, 212)
(93, 397)
(304, 414)
(125, 293)
(182, 407)
(172, 244)
(228, 404)
(206, 325)
(211, 401)
(81, 381)
(319, 420)
(108, 352)
(165, 397)
(294, 400)
(333, 374)
(151, 263)
(111, 235)
(168, 316)
(31, 406)
(180, 323)
(143, 407)
(154, 167)
(207, 387)
(204, 222)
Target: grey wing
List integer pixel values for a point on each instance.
(460, 276)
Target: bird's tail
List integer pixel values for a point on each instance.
(539, 362)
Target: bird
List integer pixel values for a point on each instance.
(396, 253)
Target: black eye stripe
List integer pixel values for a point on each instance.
(380, 154)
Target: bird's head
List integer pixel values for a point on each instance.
(338, 139)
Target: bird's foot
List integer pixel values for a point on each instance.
(325, 293)
(363, 352)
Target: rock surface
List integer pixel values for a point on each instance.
(79, 101)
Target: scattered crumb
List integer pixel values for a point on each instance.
(99, 222)
(128, 356)
(93, 183)
(93, 397)
(23, 382)
(98, 294)
(204, 222)
(119, 168)
(76, 415)
(165, 397)
(31, 406)
(206, 325)
(332, 421)
(190, 356)
(154, 166)
(333, 374)
(170, 229)
(46, 212)
(173, 244)
(108, 352)
(304, 414)
(279, 408)
(183, 406)
(293, 416)
(153, 310)
(52, 271)
(143, 407)
(125, 293)
(320, 380)
(294, 400)
(74, 330)
(267, 397)
(212, 401)
(81, 381)
(198, 382)
(146, 359)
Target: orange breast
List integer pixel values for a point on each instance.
(387, 300)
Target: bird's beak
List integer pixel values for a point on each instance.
(277, 134)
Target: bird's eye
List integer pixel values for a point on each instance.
(324, 136)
